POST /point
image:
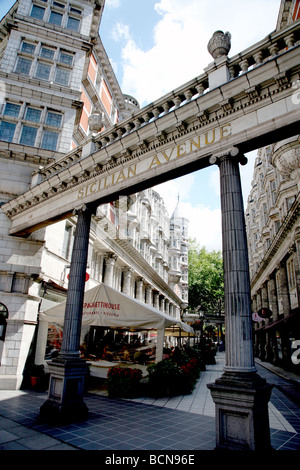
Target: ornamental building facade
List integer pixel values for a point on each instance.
(273, 232)
(58, 88)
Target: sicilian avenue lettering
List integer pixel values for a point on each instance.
(107, 181)
(187, 147)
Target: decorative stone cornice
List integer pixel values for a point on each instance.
(287, 227)
(184, 111)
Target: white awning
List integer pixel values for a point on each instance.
(107, 307)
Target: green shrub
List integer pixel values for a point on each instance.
(165, 379)
(123, 382)
(175, 376)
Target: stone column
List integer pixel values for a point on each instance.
(297, 261)
(127, 273)
(149, 295)
(139, 289)
(156, 300)
(272, 298)
(68, 370)
(284, 297)
(283, 290)
(41, 342)
(240, 394)
(160, 344)
(274, 309)
(110, 260)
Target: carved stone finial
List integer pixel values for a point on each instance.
(219, 44)
(96, 122)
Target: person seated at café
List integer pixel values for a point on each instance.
(107, 355)
(140, 357)
(126, 354)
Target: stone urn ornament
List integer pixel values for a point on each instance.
(96, 122)
(219, 44)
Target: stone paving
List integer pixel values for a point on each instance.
(178, 423)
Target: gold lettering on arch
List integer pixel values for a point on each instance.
(155, 161)
(176, 151)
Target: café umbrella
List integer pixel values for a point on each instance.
(107, 307)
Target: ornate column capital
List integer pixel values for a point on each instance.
(112, 257)
(233, 153)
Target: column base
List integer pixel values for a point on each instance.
(242, 416)
(66, 389)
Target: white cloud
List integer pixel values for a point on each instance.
(204, 223)
(180, 51)
(214, 181)
(121, 32)
(178, 54)
(112, 3)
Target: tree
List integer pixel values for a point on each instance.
(206, 280)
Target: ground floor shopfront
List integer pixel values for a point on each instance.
(278, 342)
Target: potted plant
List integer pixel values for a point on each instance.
(36, 373)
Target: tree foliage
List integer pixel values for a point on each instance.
(206, 280)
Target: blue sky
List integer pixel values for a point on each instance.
(157, 45)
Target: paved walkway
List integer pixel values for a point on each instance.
(179, 423)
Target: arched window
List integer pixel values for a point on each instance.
(3, 323)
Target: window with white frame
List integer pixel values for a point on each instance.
(45, 62)
(63, 14)
(29, 125)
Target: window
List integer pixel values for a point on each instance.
(53, 119)
(58, 14)
(49, 141)
(47, 53)
(62, 76)
(290, 202)
(55, 18)
(28, 135)
(58, 5)
(28, 48)
(7, 130)
(12, 110)
(30, 126)
(73, 21)
(37, 12)
(65, 58)
(43, 71)
(47, 63)
(33, 115)
(75, 10)
(73, 24)
(23, 66)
